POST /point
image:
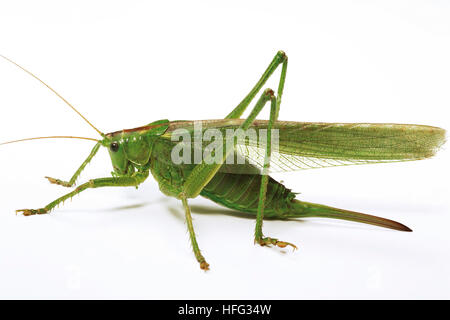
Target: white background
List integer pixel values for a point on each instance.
(127, 63)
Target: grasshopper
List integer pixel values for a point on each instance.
(247, 186)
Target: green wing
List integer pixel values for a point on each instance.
(307, 145)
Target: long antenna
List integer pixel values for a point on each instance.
(50, 137)
(51, 89)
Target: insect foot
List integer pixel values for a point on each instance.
(30, 212)
(267, 241)
(204, 265)
(58, 182)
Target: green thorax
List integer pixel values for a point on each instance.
(169, 175)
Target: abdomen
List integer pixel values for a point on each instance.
(241, 192)
(235, 191)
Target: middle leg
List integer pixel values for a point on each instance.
(203, 264)
(124, 181)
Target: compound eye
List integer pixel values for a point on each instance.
(114, 146)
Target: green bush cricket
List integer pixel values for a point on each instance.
(247, 186)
